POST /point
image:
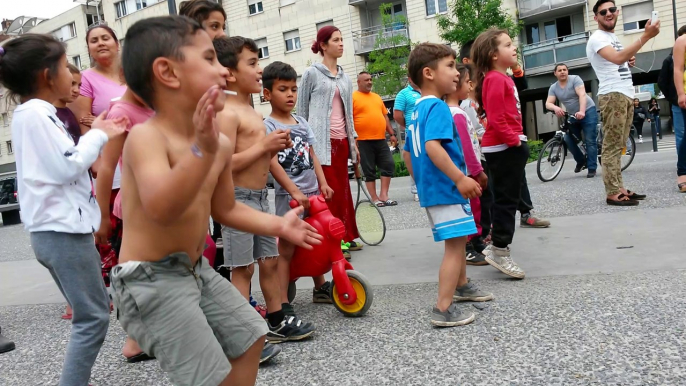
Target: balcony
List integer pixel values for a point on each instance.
(541, 57)
(365, 40)
(356, 2)
(528, 9)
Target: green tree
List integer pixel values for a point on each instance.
(388, 60)
(468, 18)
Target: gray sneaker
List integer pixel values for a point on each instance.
(469, 293)
(452, 317)
(500, 259)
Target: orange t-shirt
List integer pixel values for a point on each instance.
(369, 116)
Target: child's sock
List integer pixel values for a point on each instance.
(275, 318)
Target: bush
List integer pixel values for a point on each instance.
(535, 148)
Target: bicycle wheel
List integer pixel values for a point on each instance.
(629, 152)
(551, 160)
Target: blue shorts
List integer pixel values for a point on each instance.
(451, 221)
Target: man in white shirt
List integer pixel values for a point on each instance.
(611, 61)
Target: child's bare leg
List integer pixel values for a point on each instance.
(240, 278)
(449, 274)
(270, 283)
(462, 261)
(318, 281)
(286, 251)
(244, 368)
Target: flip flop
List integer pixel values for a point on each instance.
(391, 202)
(380, 204)
(67, 316)
(682, 187)
(622, 200)
(142, 357)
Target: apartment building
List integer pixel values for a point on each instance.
(121, 14)
(557, 31)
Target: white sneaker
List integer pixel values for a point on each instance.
(501, 260)
(416, 197)
(640, 139)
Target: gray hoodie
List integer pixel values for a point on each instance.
(316, 92)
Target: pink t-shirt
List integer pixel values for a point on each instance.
(338, 117)
(136, 115)
(100, 89)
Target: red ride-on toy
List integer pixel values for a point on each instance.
(351, 292)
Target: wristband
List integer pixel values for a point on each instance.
(196, 150)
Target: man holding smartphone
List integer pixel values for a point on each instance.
(611, 62)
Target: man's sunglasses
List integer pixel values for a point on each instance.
(605, 11)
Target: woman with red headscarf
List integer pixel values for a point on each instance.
(325, 100)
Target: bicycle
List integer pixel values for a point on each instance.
(554, 151)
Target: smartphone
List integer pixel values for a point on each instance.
(653, 17)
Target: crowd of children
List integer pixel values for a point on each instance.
(191, 146)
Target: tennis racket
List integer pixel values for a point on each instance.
(370, 222)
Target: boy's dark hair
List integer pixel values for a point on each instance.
(25, 58)
(466, 49)
(681, 30)
(200, 10)
(149, 39)
(601, 2)
(73, 69)
(228, 49)
(426, 55)
(277, 71)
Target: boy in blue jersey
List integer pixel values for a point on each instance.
(402, 113)
(438, 166)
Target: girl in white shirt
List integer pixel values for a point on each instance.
(58, 207)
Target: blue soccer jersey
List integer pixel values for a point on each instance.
(432, 120)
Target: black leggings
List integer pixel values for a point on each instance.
(507, 173)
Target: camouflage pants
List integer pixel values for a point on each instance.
(617, 112)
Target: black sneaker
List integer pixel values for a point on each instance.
(323, 294)
(476, 258)
(290, 329)
(6, 345)
(579, 167)
(591, 174)
(269, 351)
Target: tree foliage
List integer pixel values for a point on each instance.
(466, 19)
(388, 60)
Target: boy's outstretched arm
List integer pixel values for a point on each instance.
(227, 211)
(324, 187)
(229, 122)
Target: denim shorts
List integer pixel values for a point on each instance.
(241, 248)
(189, 317)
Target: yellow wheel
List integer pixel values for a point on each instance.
(364, 292)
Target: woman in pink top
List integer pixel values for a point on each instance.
(325, 101)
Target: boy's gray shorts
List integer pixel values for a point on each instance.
(190, 318)
(282, 203)
(241, 248)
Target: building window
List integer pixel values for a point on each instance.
(636, 15)
(5, 119)
(9, 147)
(72, 30)
(292, 39)
(120, 7)
(324, 24)
(434, 7)
(140, 4)
(93, 19)
(76, 60)
(255, 7)
(263, 52)
(284, 3)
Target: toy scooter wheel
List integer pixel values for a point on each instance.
(365, 295)
(291, 291)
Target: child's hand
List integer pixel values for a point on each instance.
(206, 132)
(289, 143)
(302, 199)
(103, 233)
(298, 231)
(87, 120)
(468, 188)
(327, 192)
(482, 179)
(277, 140)
(112, 127)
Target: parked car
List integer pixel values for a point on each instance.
(8, 190)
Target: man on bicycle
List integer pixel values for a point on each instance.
(570, 91)
(610, 61)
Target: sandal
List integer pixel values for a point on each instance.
(390, 203)
(141, 357)
(67, 316)
(622, 200)
(636, 196)
(380, 204)
(682, 187)
(262, 310)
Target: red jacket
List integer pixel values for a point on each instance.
(503, 113)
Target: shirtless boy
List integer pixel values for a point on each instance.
(177, 171)
(254, 150)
